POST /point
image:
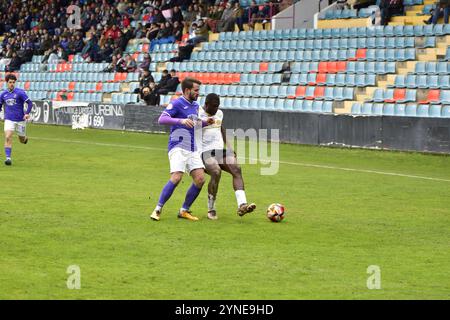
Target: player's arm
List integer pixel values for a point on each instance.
(168, 117)
(1, 102)
(29, 106)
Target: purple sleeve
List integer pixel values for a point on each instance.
(166, 119)
(28, 101)
(30, 105)
(1, 102)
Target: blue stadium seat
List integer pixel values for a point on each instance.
(399, 110)
(445, 112)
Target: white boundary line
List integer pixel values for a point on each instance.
(281, 162)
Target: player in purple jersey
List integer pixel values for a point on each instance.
(15, 117)
(182, 115)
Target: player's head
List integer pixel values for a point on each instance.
(212, 103)
(11, 81)
(190, 88)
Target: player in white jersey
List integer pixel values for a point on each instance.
(217, 157)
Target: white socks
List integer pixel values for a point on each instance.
(240, 197)
(158, 208)
(211, 202)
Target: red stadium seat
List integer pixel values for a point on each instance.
(228, 77)
(361, 54)
(433, 97)
(71, 58)
(213, 78)
(26, 86)
(99, 86)
(263, 67)
(332, 67)
(342, 66)
(321, 79)
(399, 94)
(72, 86)
(300, 91)
(145, 47)
(323, 67)
(70, 96)
(221, 78)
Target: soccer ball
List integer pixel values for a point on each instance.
(275, 212)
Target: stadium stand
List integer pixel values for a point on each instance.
(381, 70)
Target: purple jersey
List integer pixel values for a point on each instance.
(181, 136)
(14, 101)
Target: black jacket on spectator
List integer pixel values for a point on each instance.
(145, 81)
(151, 99)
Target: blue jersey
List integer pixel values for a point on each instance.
(13, 102)
(181, 136)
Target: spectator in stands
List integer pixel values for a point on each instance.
(200, 33)
(170, 85)
(121, 65)
(15, 63)
(150, 96)
(145, 64)
(163, 81)
(152, 32)
(442, 8)
(145, 80)
(165, 35)
(253, 14)
(238, 14)
(184, 53)
(178, 30)
(177, 15)
(131, 64)
(213, 16)
(226, 23)
(342, 4)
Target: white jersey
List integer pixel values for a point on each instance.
(212, 134)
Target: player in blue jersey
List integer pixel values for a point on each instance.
(13, 100)
(182, 115)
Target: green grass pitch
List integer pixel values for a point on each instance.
(82, 198)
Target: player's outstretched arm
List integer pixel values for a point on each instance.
(27, 116)
(225, 141)
(166, 119)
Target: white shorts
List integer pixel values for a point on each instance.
(184, 161)
(20, 127)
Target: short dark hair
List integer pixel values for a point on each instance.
(188, 83)
(212, 98)
(173, 70)
(10, 76)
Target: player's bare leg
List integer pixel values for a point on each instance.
(166, 193)
(213, 169)
(231, 166)
(198, 178)
(23, 139)
(8, 146)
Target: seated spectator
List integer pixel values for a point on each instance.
(342, 4)
(199, 33)
(171, 84)
(213, 16)
(152, 32)
(15, 63)
(178, 30)
(112, 65)
(226, 23)
(238, 14)
(144, 81)
(121, 65)
(131, 64)
(184, 53)
(442, 8)
(150, 96)
(164, 35)
(145, 64)
(177, 15)
(163, 81)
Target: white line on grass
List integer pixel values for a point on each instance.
(281, 162)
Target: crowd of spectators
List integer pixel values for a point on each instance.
(104, 28)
